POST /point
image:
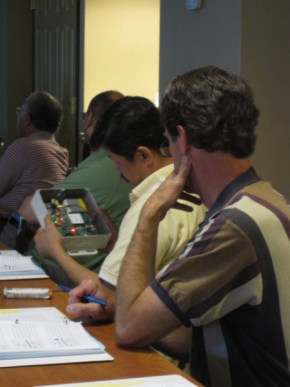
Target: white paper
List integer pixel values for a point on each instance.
(44, 336)
(17, 266)
(49, 314)
(153, 381)
(12, 263)
(56, 360)
(9, 252)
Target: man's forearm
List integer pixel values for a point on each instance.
(137, 305)
(138, 267)
(176, 344)
(75, 272)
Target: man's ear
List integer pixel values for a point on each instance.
(144, 155)
(26, 119)
(182, 140)
(90, 119)
(89, 125)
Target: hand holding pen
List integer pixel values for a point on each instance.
(92, 288)
(95, 300)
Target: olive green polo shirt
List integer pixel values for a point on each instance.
(111, 193)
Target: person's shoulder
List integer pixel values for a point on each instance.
(17, 146)
(49, 144)
(258, 205)
(19, 141)
(100, 167)
(27, 143)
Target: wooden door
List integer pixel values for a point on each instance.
(55, 62)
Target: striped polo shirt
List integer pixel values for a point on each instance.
(232, 285)
(29, 164)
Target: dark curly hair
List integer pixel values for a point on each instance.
(215, 107)
(128, 123)
(45, 111)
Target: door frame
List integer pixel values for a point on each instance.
(80, 78)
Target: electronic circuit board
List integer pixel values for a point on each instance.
(75, 214)
(71, 217)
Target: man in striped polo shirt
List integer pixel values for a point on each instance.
(35, 160)
(231, 283)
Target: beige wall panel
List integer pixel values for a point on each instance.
(121, 47)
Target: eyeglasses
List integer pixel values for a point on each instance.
(164, 149)
(18, 110)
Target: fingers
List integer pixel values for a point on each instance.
(38, 232)
(91, 310)
(47, 220)
(178, 179)
(85, 310)
(86, 287)
(96, 311)
(190, 198)
(185, 168)
(182, 207)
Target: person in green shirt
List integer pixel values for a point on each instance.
(97, 173)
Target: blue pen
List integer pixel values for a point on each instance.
(96, 300)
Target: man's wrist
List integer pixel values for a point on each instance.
(56, 252)
(153, 211)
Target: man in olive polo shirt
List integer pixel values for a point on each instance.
(98, 174)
